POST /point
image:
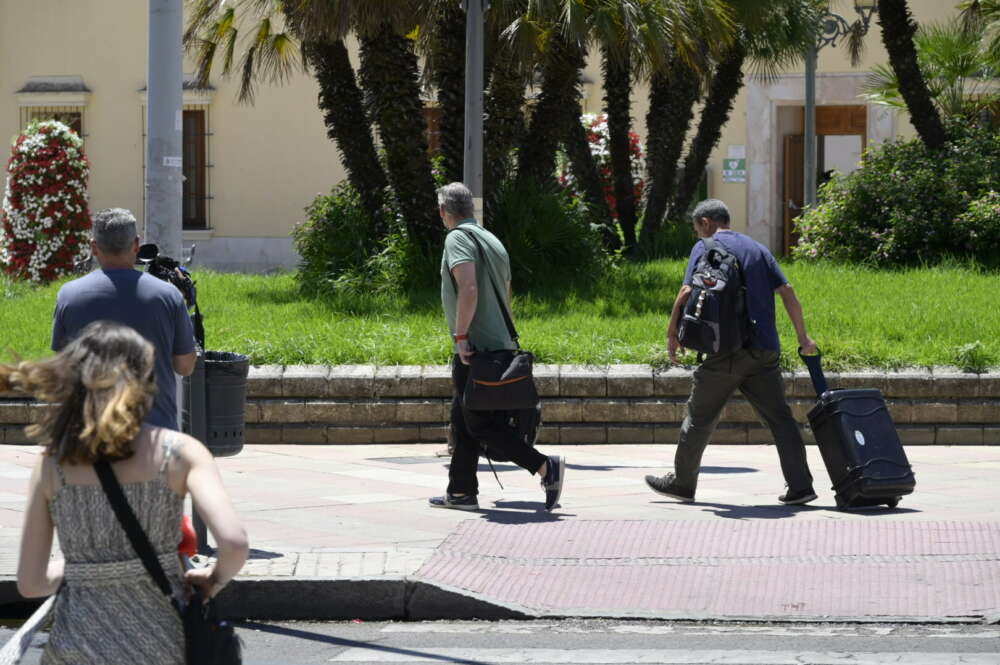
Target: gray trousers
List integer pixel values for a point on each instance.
(757, 375)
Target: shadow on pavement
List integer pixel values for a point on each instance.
(779, 511)
(357, 644)
(520, 512)
(264, 554)
(735, 512)
(728, 469)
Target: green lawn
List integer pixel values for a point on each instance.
(860, 317)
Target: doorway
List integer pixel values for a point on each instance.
(841, 137)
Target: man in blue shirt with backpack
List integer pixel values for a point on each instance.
(736, 329)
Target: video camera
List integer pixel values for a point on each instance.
(171, 270)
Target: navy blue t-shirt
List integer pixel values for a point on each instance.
(154, 308)
(763, 276)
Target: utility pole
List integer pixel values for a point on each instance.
(809, 149)
(164, 122)
(472, 168)
(833, 28)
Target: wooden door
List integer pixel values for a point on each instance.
(793, 190)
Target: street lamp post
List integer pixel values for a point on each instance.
(472, 167)
(834, 28)
(164, 122)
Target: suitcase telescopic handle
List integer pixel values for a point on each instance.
(815, 366)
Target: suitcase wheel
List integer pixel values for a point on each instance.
(893, 502)
(841, 502)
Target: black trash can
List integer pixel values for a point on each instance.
(215, 401)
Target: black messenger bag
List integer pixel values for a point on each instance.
(500, 380)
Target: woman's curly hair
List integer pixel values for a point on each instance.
(100, 389)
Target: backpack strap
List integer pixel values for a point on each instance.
(496, 291)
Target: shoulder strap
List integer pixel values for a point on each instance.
(130, 523)
(60, 475)
(496, 291)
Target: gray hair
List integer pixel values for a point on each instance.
(114, 230)
(714, 209)
(456, 199)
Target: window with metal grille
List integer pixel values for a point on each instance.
(197, 164)
(72, 116)
(195, 146)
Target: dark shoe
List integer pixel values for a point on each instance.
(464, 502)
(797, 498)
(552, 482)
(667, 486)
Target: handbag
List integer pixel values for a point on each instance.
(499, 380)
(207, 640)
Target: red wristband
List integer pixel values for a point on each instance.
(464, 337)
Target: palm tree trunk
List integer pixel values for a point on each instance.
(503, 126)
(448, 74)
(389, 77)
(551, 114)
(617, 106)
(348, 125)
(584, 168)
(726, 84)
(897, 36)
(672, 96)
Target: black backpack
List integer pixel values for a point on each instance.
(716, 318)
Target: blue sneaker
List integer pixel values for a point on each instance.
(464, 502)
(552, 482)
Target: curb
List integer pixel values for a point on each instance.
(401, 598)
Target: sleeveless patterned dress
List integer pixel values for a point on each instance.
(109, 610)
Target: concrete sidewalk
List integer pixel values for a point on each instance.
(345, 532)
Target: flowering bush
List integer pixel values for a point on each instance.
(600, 148)
(45, 219)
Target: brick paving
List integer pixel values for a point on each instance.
(359, 512)
(816, 568)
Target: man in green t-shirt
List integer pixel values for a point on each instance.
(472, 308)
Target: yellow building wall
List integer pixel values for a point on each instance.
(267, 160)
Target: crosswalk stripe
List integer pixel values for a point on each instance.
(653, 657)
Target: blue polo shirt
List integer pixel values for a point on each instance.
(763, 276)
(153, 308)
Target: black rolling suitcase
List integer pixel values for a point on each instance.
(859, 444)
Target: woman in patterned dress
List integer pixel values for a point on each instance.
(108, 610)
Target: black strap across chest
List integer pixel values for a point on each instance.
(496, 291)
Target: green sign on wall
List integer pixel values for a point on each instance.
(734, 170)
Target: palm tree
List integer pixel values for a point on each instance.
(271, 55)
(444, 46)
(633, 36)
(898, 29)
(771, 37)
(959, 72)
(673, 93)
(389, 73)
(389, 77)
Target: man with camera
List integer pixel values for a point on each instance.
(475, 269)
(119, 292)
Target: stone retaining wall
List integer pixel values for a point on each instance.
(618, 404)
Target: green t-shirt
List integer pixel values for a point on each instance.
(488, 332)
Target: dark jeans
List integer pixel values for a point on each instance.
(490, 427)
(758, 377)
